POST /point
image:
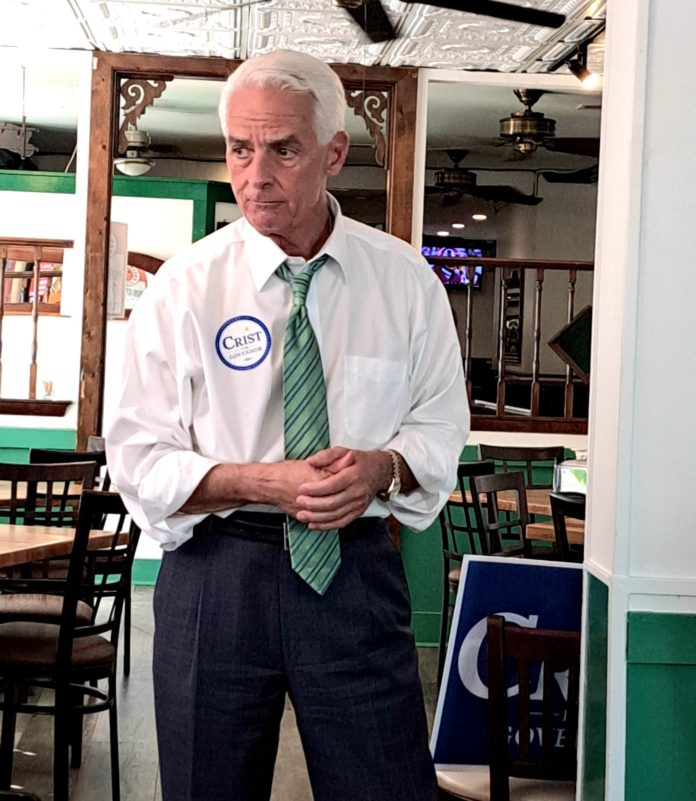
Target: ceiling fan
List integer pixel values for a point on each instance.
(528, 130)
(455, 182)
(137, 158)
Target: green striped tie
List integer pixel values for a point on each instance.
(315, 555)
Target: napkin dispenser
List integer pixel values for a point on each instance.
(570, 476)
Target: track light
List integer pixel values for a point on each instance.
(588, 79)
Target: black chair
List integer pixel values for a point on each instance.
(540, 759)
(504, 533)
(51, 455)
(567, 505)
(44, 494)
(460, 535)
(74, 660)
(530, 460)
(47, 456)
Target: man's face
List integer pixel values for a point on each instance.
(277, 168)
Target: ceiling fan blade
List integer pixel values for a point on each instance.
(164, 149)
(587, 175)
(452, 198)
(505, 194)
(576, 145)
(372, 18)
(494, 8)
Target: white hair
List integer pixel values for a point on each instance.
(297, 72)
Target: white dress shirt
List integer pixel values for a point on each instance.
(202, 382)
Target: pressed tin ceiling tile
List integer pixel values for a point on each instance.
(428, 36)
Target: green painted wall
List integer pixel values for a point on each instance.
(595, 735)
(15, 443)
(660, 707)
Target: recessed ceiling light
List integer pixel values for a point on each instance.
(479, 217)
(443, 233)
(458, 225)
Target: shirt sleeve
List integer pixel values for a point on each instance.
(150, 452)
(434, 431)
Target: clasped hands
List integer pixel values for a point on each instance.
(334, 486)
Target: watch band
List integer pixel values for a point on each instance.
(395, 484)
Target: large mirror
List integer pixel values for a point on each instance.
(510, 173)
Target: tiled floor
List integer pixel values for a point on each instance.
(138, 750)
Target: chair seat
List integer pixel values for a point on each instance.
(39, 608)
(473, 785)
(29, 650)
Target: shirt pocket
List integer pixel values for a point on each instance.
(375, 397)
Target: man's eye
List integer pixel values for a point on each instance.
(240, 152)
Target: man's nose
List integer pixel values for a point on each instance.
(260, 172)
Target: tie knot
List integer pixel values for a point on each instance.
(300, 282)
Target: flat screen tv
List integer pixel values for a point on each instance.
(451, 274)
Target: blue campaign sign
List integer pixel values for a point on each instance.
(534, 593)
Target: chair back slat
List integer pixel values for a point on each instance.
(543, 744)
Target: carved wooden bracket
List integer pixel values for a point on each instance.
(372, 107)
(137, 94)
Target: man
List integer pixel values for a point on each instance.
(290, 381)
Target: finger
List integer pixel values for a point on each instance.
(325, 458)
(331, 485)
(338, 519)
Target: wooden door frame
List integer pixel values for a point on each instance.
(109, 70)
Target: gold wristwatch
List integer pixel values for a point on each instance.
(395, 484)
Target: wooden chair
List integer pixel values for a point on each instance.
(44, 494)
(48, 456)
(567, 505)
(75, 660)
(504, 533)
(539, 761)
(460, 535)
(532, 461)
(51, 456)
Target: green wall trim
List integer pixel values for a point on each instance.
(659, 639)
(594, 768)
(145, 572)
(50, 182)
(660, 706)
(204, 194)
(426, 628)
(16, 442)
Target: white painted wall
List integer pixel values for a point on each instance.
(41, 215)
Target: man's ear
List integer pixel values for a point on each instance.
(337, 152)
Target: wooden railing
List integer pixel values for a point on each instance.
(509, 370)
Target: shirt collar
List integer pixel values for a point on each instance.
(264, 256)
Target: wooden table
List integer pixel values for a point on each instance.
(20, 544)
(6, 488)
(538, 503)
